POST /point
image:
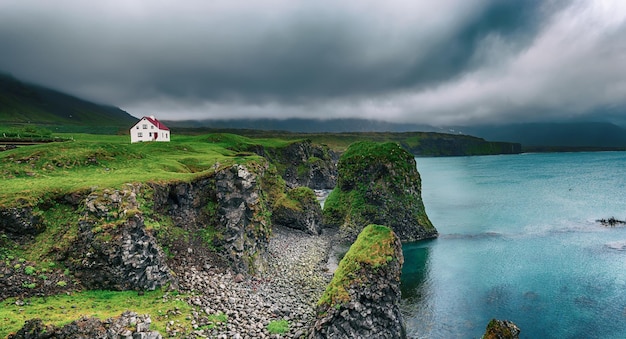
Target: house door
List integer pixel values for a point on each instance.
(156, 135)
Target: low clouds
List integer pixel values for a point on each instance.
(446, 63)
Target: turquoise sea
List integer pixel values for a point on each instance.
(519, 241)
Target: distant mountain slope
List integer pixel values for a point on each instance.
(531, 135)
(566, 134)
(307, 125)
(26, 103)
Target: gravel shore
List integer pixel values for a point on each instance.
(297, 276)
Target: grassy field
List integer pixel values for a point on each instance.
(29, 174)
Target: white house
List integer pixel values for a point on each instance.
(149, 129)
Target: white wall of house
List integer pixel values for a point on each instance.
(145, 130)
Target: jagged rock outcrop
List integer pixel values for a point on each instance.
(244, 217)
(362, 299)
(122, 257)
(127, 326)
(378, 184)
(302, 163)
(230, 205)
(113, 249)
(19, 221)
(299, 209)
(501, 329)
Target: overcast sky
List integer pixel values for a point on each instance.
(444, 62)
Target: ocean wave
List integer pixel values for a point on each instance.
(616, 245)
(471, 236)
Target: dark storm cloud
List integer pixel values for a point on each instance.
(444, 62)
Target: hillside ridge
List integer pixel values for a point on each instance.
(24, 103)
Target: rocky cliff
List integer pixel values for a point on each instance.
(362, 299)
(124, 257)
(302, 163)
(378, 184)
(132, 237)
(17, 222)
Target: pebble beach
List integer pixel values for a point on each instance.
(296, 278)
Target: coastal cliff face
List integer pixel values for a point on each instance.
(440, 144)
(362, 299)
(133, 237)
(378, 184)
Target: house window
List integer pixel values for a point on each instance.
(151, 126)
(137, 126)
(145, 126)
(150, 134)
(139, 134)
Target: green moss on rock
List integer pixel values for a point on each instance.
(374, 248)
(378, 183)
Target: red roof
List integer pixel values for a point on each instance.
(157, 123)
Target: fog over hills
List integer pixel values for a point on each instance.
(22, 103)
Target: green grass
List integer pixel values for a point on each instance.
(278, 326)
(37, 173)
(63, 309)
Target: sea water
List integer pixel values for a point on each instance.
(519, 241)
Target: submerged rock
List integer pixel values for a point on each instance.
(378, 184)
(501, 329)
(362, 299)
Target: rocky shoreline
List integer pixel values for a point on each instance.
(289, 290)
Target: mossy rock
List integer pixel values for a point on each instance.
(362, 299)
(298, 209)
(378, 183)
(374, 248)
(501, 329)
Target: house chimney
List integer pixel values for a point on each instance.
(152, 117)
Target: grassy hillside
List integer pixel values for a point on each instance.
(418, 143)
(31, 173)
(22, 103)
